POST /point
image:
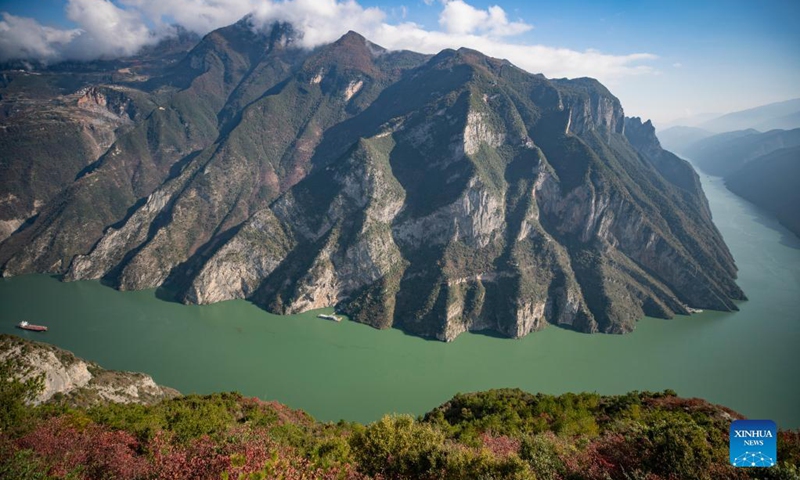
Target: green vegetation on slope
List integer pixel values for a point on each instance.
(496, 434)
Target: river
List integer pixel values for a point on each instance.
(747, 360)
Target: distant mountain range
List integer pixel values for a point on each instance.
(437, 194)
(728, 152)
(775, 116)
(761, 166)
(679, 138)
(780, 115)
(772, 182)
(783, 115)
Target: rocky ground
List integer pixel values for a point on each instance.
(70, 380)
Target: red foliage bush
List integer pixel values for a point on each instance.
(200, 459)
(89, 452)
(94, 451)
(501, 446)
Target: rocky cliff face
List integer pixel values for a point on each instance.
(76, 382)
(436, 194)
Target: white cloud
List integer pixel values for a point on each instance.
(321, 21)
(460, 18)
(677, 65)
(26, 38)
(199, 16)
(553, 62)
(108, 29)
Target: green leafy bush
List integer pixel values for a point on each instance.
(398, 446)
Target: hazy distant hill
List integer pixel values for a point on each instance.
(691, 120)
(763, 168)
(678, 139)
(680, 135)
(780, 115)
(772, 182)
(726, 153)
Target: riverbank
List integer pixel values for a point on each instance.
(746, 360)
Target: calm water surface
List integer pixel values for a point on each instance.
(748, 360)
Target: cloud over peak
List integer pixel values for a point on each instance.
(320, 21)
(459, 17)
(109, 29)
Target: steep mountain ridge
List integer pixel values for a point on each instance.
(182, 123)
(436, 194)
(266, 150)
(47, 140)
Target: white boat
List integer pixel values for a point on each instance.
(329, 317)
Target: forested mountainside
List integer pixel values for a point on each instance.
(772, 182)
(500, 434)
(435, 194)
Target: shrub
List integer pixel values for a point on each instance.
(678, 447)
(541, 453)
(397, 446)
(89, 452)
(461, 462)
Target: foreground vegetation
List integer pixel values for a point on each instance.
(490, 435)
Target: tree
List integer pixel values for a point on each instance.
(19, 386)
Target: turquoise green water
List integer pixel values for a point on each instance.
(748, 360)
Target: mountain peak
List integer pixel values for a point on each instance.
(449, 58)
(350, 52)
(351, 37)
(642, 135)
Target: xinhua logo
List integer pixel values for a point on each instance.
(753, 443)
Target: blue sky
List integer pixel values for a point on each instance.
(663, 59)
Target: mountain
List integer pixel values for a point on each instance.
(781, 115)
(679, 139)
(726, 153)
(60, 119)
(763, 168)
(435, 194)
(46, 143)
(771, 182)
